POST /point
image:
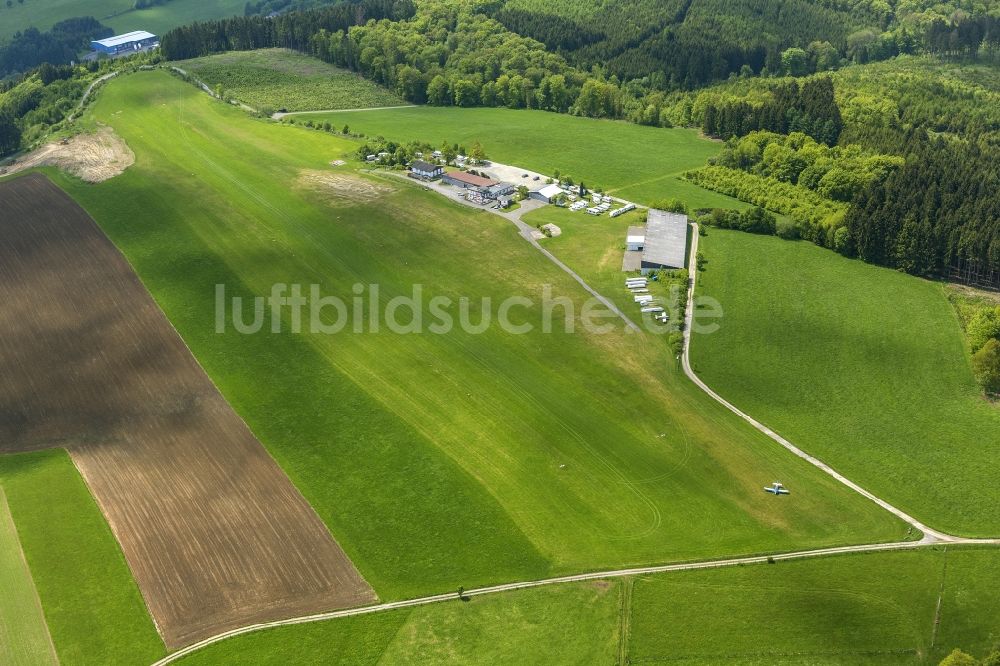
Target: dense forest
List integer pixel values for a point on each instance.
(38, 102)
(294, 30)
(459, 52)
(938, 215)
(683, 44)
(60, 45)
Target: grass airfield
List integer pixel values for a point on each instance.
(436, 460)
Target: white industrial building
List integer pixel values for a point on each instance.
(661, 244)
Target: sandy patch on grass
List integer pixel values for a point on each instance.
(342, 188)
(972, 292)
(92, 157)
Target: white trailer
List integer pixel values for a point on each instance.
(653, 309)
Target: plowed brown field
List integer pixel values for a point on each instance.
(215, 533)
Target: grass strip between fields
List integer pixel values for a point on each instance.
(24, 636)
(92, 604)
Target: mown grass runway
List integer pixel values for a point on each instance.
(861, 366)
(436, 460)
(633, 162)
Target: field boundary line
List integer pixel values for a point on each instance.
(625, 621)
(524, 585)
(937, 608)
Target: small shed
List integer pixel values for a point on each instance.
(635, 239)
(547, 194)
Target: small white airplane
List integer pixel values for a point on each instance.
(777, 488)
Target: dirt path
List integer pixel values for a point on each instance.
(578, 578)
(88, 91)
(280, 115)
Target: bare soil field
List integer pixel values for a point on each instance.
(342, 188)
(214, 532)
(92, 157)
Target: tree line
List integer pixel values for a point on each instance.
(293, 30)
(59, 45)
(809, 108)
(685, 44)
(938, 214)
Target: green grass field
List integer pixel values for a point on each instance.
(565, 624)
(634, 162)
(94, 610)
(116, 14)
(875, 609)
(24, 636)
(284, 79)
(436, 460)
(855, 609)
(861, 366)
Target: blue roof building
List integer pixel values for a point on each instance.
(129, 42)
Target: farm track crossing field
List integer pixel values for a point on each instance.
(284, 79)
(873, 609)
(567, 624)
(438, 460)
(861, 366)
(631, 161)
(24, 636)
(214, 532)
